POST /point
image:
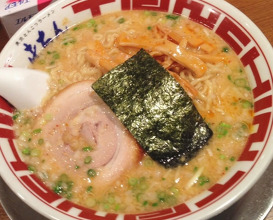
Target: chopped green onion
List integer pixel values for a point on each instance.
(138, 184)
(87, 149)
(68, 41)
(63, 186)
(41, 61)
(121, 20)
(117, 207)
(41, 141)
(152, 13)
(133, 181)
(76, 28)
(246, 104)
(225, 49)
(15, 116)
(174, 191)
(222, 129)
(48, 117)
(106, 206)
(244, 126)
(111, 199)
(203, 180)
(148, 162)
(87, 160)
(35, 152)
(89, 189)
(91, 173)
(92, 23)
(90, 202)
(232, 158)
(56, 56)
(37, 131)
(26, 151)
(31, 168)
(172, 17)
(242, 82)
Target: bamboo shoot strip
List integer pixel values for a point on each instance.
(155, 109)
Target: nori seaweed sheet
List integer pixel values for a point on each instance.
(155, 109)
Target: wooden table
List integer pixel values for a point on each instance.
(259, 11)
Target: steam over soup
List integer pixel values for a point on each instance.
(78, 147)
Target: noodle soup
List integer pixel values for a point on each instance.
(64, 157)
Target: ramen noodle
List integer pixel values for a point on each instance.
(54, 144)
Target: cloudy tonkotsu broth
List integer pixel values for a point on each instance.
(56, 147)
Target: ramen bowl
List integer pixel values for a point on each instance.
(235, 28)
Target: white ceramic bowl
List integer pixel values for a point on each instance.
(233, 26)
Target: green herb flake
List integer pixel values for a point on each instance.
(155, 109)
